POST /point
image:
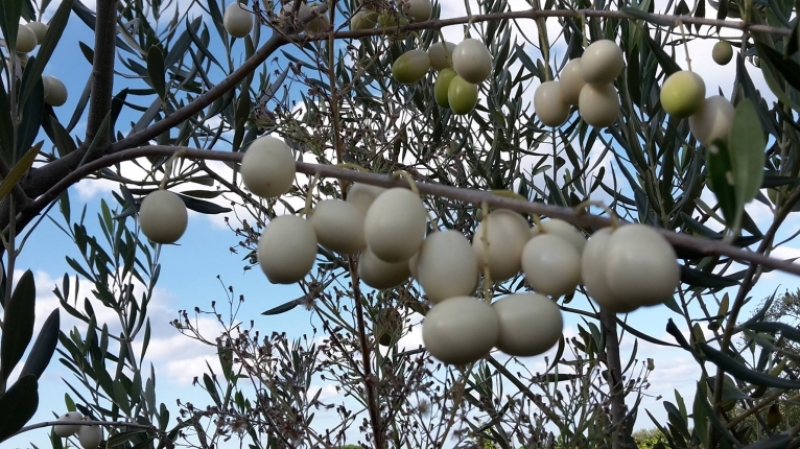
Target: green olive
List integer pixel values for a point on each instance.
(462, 96)
(722, 53)
(441, 87)
(683, 94)
(411, 66)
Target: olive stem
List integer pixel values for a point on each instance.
(685, 46)
(580, 209)
(310, 194)
(407, 177)
(582, 18)
(537, 221)
(487, 276)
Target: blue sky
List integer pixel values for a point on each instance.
(190, 270)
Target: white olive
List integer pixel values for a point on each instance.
(26, 39)
(593, 273)
(440, 56)
(163, 216)
(39, 29)
(90, 437)
(472, 61)
(599, 104)
(364, 20)
(411, 66)
(641, 266)
(460, 330)
(508, 233)
(395, 225)
(66, 430)
(530, 324)
(362, 195)
(237, 20)
(268, 167)
(287, 249)
(571, 81)
(446, 266)
(319, 24)
(55, 92)
(549, 104)
(562, 229)
(379, 274)
(418, 10)
(683, 94)
(713, 121)
(601, 62)
(339, 226)
(551, 265)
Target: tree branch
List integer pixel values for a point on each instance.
(102, 68)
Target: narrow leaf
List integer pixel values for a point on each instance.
(19, 170)
(18, 405)
(42, 351)
(20, 314)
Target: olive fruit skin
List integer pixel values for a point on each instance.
(268, 167)
(237, 20)
(549, 104)
(411, 66)
(339, 226)
(571, 81)
(601, 62)
(599, 105)
(362, 195)
(55, 92)
(446, 266)
(395, 225)
(507, 236)
(287, 249)
(26, 39)
(713, 120)
(66, 430)
(551, 265)
(319, 24)
(364, 20)
(683, 94)
(641, 266)
(472, 61)
(460, 330)
(440, 58)
(163, 216)
(417, 10)
(379, 274)
(39, 29)
(441, 87)
(90, 437)
(722, 53)
(562, 229)
(462, 96)
(530, 324)
(593, 273)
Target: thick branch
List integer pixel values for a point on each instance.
(700, 245)
(102, 68)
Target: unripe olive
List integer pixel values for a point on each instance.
(319, 24)
(472, 61)
(593, 273)
(508, 232)
(238, 20)
(417, 10)
(379, 274)
(442, 85)
(551, 265)
(39, 29)
(163, 216)
(339, 226)
(713, 120)
(462, 96)
(441, 57)
(549, 104)
(446, 266)
(561, 229)
(66, 430)
(287, 249)
(362, 195)
(395, 225)
(55, 92)
(26, 39)
(571, 81)
(599, 104)
(364, 20)
(601, 62)
(90, 437)
(530, 324)
(411, 66)
(460, 330)
(683, 94)
(268, 167)
(722, 53)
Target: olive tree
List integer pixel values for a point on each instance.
(502, 129)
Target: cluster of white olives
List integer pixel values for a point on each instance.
(586, 82)
(89, 437)
(238, 19)
(683, 95)
(461, 69)
(29, 35)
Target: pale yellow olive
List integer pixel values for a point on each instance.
(571, 81)
(551, 265)
(593, 274)
(90, 437)
(601, 62)
(441, 55)
(319, 24)
(460, 330)
(364, 20)
(339, 226)
(442, 86)
(472, 61)
(462, 96)
(362, 195)
(379, 274)
(564, 230)
(26, 39)
(599, 105)
(549, 104)
(287, 249)
(67, 430)
(411, 66)
(163, 216)
(713, 120)
(238, 20)
(268, 167)
(530, 324)
(508, 232)
(446, 266)
(55, 92)
(39, 29)
(722, 53)
(395, 225)
(683, 94)
(417, 10)
(641, 266)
